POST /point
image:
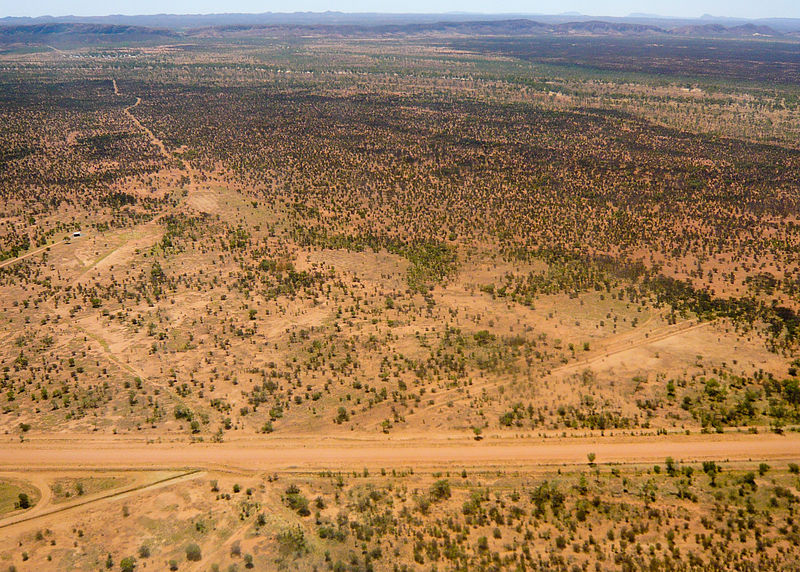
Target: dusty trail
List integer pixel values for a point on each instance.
(43, 510)
(150, 226)
(226, 546)
(104, 346)
(31, 253)
(127, 111)
(310, 453)
(45, 495)
(130, 368)
(682, 328)
(153, 139)
(152, 223)
(613, 348)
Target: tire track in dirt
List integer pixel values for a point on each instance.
(160, 144)
(39, 483)
(143, 226)
(99, 339)
(658, 337)
(56, 50)
(127, 111)
(309, 453)
(31, 253)
(131, 369)
(154, 221)
(45, 494)
(612, 349)
(238, 534)
(28, 519)
(616, 340)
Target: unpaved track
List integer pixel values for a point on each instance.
(130, 368)
(631, 341)
(31, 253)
(33, 519)
(153, 139)
(631, 344)
(270, 454)
(225, 547)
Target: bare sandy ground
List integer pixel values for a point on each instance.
(312, 453)
(45, 510)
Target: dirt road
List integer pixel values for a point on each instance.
(313, 453)
(31, 253)
(624, 343)
(150, 135)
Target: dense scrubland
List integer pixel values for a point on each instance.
(414, 237)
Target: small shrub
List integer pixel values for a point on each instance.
(440, 490)
(193, 553)
(292, 541)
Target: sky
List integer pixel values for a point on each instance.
(680, 8)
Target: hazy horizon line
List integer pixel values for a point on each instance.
(632, 15)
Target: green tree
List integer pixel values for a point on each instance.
(440, 489)
(193, 553)
(712, 470)
(24, 501)
(791, 392)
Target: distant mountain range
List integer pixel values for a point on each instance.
(720, 30)
(165, 28)
(57, 33)
(187, 21)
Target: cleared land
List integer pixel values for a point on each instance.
(347, 454)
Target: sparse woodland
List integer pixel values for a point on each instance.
(402, 236)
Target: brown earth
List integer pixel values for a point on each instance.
(315, 453)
